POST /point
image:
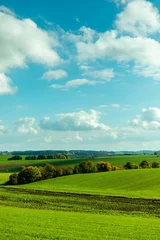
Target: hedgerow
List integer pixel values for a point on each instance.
(33, 174)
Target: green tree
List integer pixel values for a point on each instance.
(29, 174)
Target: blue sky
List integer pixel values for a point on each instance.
(79, 74)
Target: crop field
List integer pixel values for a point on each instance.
(28, 224)
(14, 165)
(130, 183)
(116, 205)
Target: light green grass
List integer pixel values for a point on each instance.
(4, 177)
(132, 183)
(32, 224)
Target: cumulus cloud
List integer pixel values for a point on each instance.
(136, 22)
(26, 125)
(119, 2)
(149, 119)
(6, 86)
(54, 75)
(75, 121)
(74, 83)
(103, 74)
(84, 34)
(21, 40)
(141, 51)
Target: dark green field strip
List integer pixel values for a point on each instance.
(79, 202)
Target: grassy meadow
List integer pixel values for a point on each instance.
(130, 183)
(116, 205)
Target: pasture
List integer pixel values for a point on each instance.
(116, 205)
(131, 183)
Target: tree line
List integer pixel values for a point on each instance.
(42, 157)
(33, 174)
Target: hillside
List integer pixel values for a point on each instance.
(131, 183)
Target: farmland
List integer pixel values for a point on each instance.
(13, 166)
(109, 205)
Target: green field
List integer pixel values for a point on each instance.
(13, 166)
(131, 183)
(116, 205)
(29, 224)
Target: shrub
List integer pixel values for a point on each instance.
(13, 179)
(69, 171)
(76, 170)
(144, 164)
(15, 158)
(60, 171)
(50, 171)
(29, 174)
(87, 167)
(117, 168)
(155, 165)
(30, 157)
(131, 165)
(104, 166)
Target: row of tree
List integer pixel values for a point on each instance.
(33, 174)
(42, 157)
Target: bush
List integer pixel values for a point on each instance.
(87, 167)
(69, 171)
(28, 175)
(50, 171)
(131, 165)
(155, 165)
(13, 179)
(30, 157)
(76, 170)
(41, 157)
(104, 166)
(144, 164)
(117, 168)
(15, 158)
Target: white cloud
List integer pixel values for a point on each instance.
(136, 22)
(149, 119)
(54, 75)
(48, 139)
(26, 125)
(78, 137)
(74, 83)
(84, 34)
(115, 105)
(22, 106)
(140, 51)
(104, 74)
(118, 2)
(21, 40)
(114, 135)
(6, 86)
(75, 121)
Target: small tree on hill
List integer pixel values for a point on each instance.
(155, 165)
(144, 164)
(87, 167)
(104, 166)
(131, 165)
(28, 175)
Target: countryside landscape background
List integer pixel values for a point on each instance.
(79, 120)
